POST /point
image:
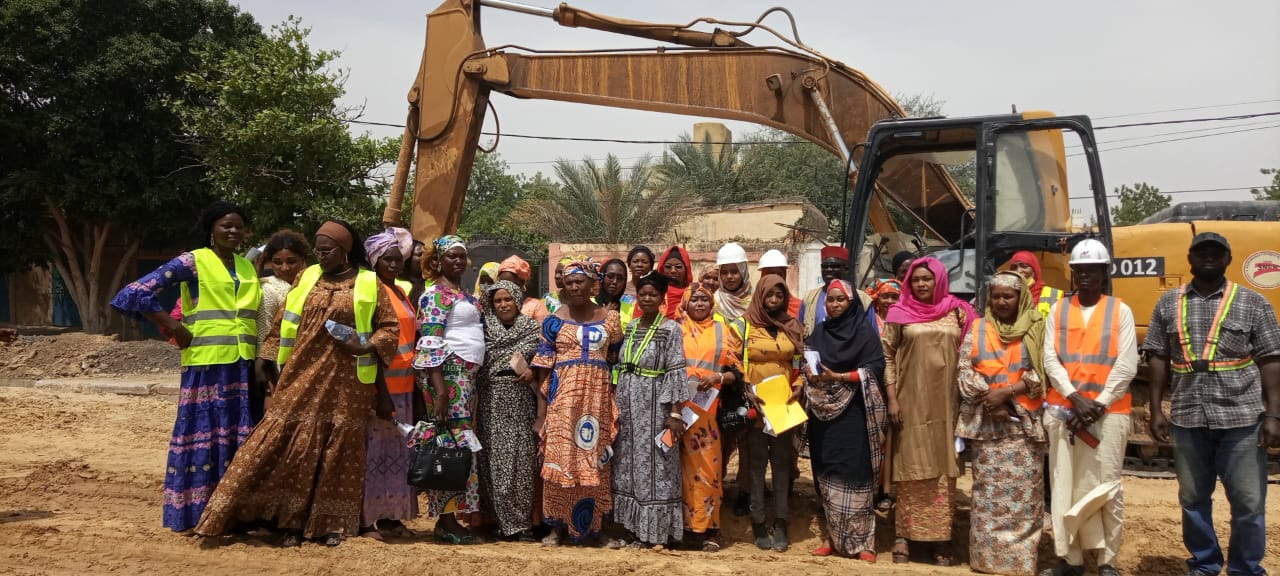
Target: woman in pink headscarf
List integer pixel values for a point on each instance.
(922, 337)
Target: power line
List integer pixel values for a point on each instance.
(1190, 191)
(1139, 145)
(1159, 134)
(1189, 120)
(1231, 105)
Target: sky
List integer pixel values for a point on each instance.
(1116, 61)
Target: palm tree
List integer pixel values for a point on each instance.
(595, 203)
(709, 171)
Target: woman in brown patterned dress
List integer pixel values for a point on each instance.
(303, 467)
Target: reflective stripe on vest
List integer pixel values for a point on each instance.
(365, 299)
(1206, 362)
(1088, 351)
(999, 365)
(1048, 297)
(700, 366)
(224, 320)
(631, 356)
(399, 373)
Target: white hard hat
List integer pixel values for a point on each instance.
(731, 253)
(773, 259)
(1090, 251)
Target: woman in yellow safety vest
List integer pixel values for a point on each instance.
(1026, 265)
(613, 291)
(388, 497)
(303, 467)
(218, 336)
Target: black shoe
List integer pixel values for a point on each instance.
(1108, 570)
(1064, 569)
(742, 504)
(762, 536)
(780, 542)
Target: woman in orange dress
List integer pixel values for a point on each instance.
(712, 366)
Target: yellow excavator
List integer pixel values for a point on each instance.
(705, 68)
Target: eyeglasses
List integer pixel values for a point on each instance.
(323, 253)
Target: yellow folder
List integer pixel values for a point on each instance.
(780, 415)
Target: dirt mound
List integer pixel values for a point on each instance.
(77, 353)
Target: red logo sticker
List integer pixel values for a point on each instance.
(1262, 269)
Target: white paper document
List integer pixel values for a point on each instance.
(814, 360)
(705, 398)
(688, 416)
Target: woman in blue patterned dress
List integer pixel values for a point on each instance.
(213, 405)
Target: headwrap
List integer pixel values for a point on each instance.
(709, 268)
(884, 286)
(490, 270)
(565, 260)
(761, 318)
(837, 252)
(674, 293)
(909, 310)
(447, 242)
(502, 341)
(732, 305)
(338, 233)
(404, 239)
(584, 265)
(1029, 326)
(516, 265)
(899, 258)
(1029, 259)
(378, 244)
(688, 323)
(845, 343)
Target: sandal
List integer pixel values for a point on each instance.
(942, 556)
(710, 546)
(332, 539)
(867, 556)
(293, 540)
(617, 544)
(823, 550)
(552, 540)
(455, 539)
(901, 553)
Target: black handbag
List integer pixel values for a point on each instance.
(433, 466)
(727, 416)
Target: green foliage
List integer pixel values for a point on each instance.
(1271, 192)
(596, 203)
(492, 196)
(82, 91)
(266, 125)
(705, 170)
(1136, 203)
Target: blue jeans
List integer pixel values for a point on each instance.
(1202, 455)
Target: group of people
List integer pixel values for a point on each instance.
(624, 392)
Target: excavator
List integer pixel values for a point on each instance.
(706, 68)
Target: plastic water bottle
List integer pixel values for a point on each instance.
(340, 331)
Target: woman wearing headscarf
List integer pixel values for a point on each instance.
(214, 415)
(449, 352)
(1001, 386)
(712, 366)
(709, 277)
(613, 290)
(577, 414)
(517, 271)
(652, 384)
(302, 469)
(389, 500)
(285, 253)
(770, 346)
(732, 300)
(675, 265)
(506, 409)
(922, 337)
(1027, 266)
(847, 423)
(486, 276)
(884, 294)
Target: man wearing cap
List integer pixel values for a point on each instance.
(1221, 342)
(1090, 356)
(835, 265)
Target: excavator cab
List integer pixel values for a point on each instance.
(1020, 199)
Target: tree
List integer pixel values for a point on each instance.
(267, 129)
(1271, 192)
(596, 203)
(89, 167)
(705, 170)
(1137, 203)
(492, 196)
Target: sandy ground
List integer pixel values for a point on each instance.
(80, 493)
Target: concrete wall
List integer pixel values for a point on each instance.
(760, 221)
